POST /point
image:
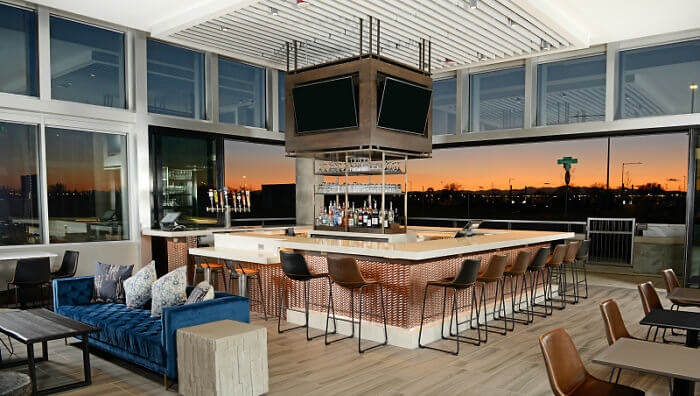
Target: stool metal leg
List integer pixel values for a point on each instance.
(331, 306)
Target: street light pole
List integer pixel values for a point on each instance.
(622, 179)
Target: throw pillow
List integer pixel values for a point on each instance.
(202, 292)
(169, 290)
(109, 282)
(138, 287)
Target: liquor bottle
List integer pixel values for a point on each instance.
(385, 217)
(375, 216)
(391, 213)
(351, 216)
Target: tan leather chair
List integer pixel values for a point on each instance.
(465, 279)
(672, 283)
(494, 272)
(614, 327)
(554, 270)
(567, 374)
(650, 302)
(344, 272)
(517, 273)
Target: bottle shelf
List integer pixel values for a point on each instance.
(392, 229)
(361, 173)
(358, 189)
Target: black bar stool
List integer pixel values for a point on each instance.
(295, 268)
(495, 273)
(581, 262)
(235, 271)
(465, 279)
(69, 265)
(518, 277)
(344, 272)
(554, 270)
(537, 270)
(30, 273)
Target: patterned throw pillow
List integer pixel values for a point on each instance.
(138, 287)
(109, 282)
(203, 292)
(169, 290)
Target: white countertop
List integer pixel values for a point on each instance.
(249, 256)
(147, 231)
(26, 255)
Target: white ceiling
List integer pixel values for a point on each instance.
(496, 30)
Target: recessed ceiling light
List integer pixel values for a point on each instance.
(511, 22)
(545, 45)
(224, 29)
(472, 3)
(274, 11)
(480, 56)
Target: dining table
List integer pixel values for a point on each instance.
(672, 361)
(670, 319)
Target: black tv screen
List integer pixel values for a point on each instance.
(404, 106)
(325, 105)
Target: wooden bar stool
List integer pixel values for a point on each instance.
(517, 273)
(236, 271)
(465, 279)
(554, 267)
(537, 270)
(494, 273)
(344, 272)
(295, 268)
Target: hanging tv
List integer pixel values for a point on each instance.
(404, 106)
(326, 105)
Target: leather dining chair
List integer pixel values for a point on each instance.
(69, 265)
(672, 283)
(344, 272)
(30, 273)
(650, 302)
(567, 374)
(615, 328)
(464, 280)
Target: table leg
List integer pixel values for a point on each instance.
(32, 367)
(45, 350)
(683, 387)
(691, 338)
(243, 285)
(207, 275)
(86, 360)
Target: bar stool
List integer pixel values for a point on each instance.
(554, 266)
(344, 272)
(295, 268)
(537, 270)
(465, 279)
(235, 272)
(517, 273)
(581, 262)
(495, 273)
(207, 269)
(570, 260)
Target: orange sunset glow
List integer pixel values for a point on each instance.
(255, 164)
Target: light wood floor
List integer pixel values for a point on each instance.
(507, 365)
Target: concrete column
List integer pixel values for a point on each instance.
(305, 191)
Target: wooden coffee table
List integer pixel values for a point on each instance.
(40, 326)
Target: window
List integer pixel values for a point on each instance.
(571, 91)
(87, 64)
(241, 93)
(19, 195)
(281, 78)
(657, 80)
(266, 173)
(87, 195)
(496, 99)
(445, 106)
(175, 81)
(18, 50)
(185, 168)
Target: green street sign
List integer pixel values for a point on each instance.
(567, 162)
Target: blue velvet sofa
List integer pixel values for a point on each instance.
(132, 334)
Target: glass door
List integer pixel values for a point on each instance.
(692, 278)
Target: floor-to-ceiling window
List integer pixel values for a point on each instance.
(175, 80)
(571, 91)
(20, 221)
(241, 93)
(445, 106)
(87, 64)
(18, 51)
(86, 176)
(496, 99)
(659, 80)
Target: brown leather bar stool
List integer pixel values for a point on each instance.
(209, 271)
(580, 264)
(517, 274)
(465, 279)
(554, 266)
(537, 270)
(295, 268)
(651, 302)
(344, 272)
(567, 374)
(570, 262)
(235, 271)
(615, 328)
(494, 272)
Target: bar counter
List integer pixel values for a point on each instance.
(404, 267)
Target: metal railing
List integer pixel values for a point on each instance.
(578, 227)
(612, 240)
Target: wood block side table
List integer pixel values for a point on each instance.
(222, 358)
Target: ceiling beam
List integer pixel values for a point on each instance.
(199, 12)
